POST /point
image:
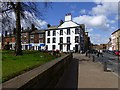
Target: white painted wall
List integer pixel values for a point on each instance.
(67, 24)
(72, 39)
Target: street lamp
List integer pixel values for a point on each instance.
(118, 48)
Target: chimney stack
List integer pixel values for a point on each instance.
(33, 27)
(68, 17)
(61, 22)
(48, 25)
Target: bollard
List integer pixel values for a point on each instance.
(93, 58)
(105, 66)
(89, 55)
(86, 54)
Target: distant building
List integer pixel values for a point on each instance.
(95, 46)
(114, 39)
(30, 39)
(37, 40)
(100, 46)
(103, 46)
(68, 36)
(109, 45)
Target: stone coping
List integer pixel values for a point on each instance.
(24, 78)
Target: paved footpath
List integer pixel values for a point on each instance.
(83, 73)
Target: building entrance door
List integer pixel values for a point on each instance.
(76, 48)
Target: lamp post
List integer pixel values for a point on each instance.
(118, 48)
(118, 60)
(79, 39)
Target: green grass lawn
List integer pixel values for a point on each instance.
(14, 65)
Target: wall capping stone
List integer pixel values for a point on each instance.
(38, 76)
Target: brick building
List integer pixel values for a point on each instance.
(30, 39)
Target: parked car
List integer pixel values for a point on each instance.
(114, 52)
(117, 53)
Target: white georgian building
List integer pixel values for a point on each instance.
(69, 36)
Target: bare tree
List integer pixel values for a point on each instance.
(20, 9)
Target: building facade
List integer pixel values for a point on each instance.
(30, 40)
(37, 40)
(69, 36)
(115, 39)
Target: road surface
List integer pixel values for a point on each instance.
(112, 62)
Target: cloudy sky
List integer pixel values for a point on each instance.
(100, 18)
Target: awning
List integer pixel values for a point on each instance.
(42, 45)
(30, 45)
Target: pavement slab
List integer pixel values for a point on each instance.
(84, 74)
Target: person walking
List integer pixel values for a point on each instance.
(101, 53)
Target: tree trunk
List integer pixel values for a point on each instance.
(18, 30)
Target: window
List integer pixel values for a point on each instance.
(68, 47)
(53, 47)
(48, 40)
(76, 39)
(31, 36)
(25, 36)
(54, 40)
(61, 32)
(41, 41)
(61, 47)
(61, 39)
(31, 41)
(68, 31)
(48, 33)
(76, 31)
(40, 35)
(54, 33)
(68, 39)
(24, 41)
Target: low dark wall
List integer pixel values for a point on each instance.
(44, 76)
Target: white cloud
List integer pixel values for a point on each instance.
(32, 18)
(83, 11)
(91, 21)
(98, 38)
(38, 22)
(105, 8)
(99, 19)
(89, 29)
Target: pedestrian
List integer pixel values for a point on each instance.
(98, 53)
(87, 52)
(101, 53)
